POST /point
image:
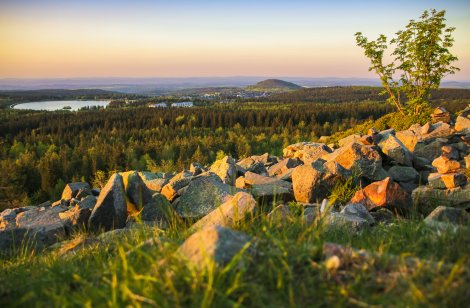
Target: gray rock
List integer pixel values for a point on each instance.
(307, 152)
(110, 211)
(430, 150)
(267, 193)
(403, 174)
(445, 181)
(351, 222)
(357, 209)
(213, 244)
(230, 213)
(203, 194)
(158, 210)
(136, 191)
(72, 189)
(393, 148)
(450, 215)
(279, 215)
(179, 181)
(426, 196)
(383, 215)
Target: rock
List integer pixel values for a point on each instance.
(382, 215)
(158, 210)
(170, 190)
(445, 181)
(357, 209)
(408, 139)
(467, 162)
(213, 244)
(372, 131)
(431, 150)
(110, 211)
(36, 228)
(363, 159)
(196, 168)
(267, 193)
(71, 190)
(403, 174)
(226, 169)
(202, 195)
(279, 215)
(351, 222)
(310, 213)
(440, 114)
(438, 130)
(426, 196)
(77, 217)
(307, 184)
(307, 152)
(450, 152)
(283, 166)
(312, 185)
(256, 179)
(136, 191)
(230, 213)
(445, 165)
(450, 215)
(156, 185)
(384, 193)
(355, 138)
(88, 202)
(462, 124)
(393, 148)
(251, 165)
(421, 163)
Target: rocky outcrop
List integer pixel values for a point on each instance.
(110, 211)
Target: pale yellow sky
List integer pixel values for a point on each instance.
(170, 41)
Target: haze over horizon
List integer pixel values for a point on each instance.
(141, 38)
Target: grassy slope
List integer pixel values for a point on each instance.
(287, 271)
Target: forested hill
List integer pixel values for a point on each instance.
(274, 84)
(355, 94)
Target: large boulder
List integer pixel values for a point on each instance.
(213, 244)
(35, 227)
(430, 150)
(363, 159)
(226, 169)
(230, 213)
(137, 192)
(393, 148)
(250, 164)
(385, 193)
(202, 195)
(350, 139)
(308, 152)
(311, 184)
(110, 211)
(438, 130)
(71, 190)
(158, 210)
(267, 193)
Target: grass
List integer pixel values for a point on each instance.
(139, 267)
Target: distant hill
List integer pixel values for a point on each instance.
(274, 85)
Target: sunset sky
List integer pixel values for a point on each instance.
(101, 38)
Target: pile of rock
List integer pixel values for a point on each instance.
(421, 166)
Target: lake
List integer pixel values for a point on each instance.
(58, 105)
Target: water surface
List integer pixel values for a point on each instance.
(59, 105)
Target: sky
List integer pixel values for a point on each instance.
(143, 38)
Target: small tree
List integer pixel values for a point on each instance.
(421, 59)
